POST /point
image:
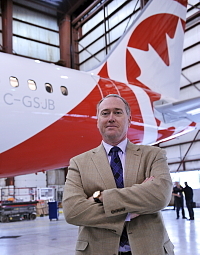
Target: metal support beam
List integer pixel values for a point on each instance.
(74, 47)
(86, 11)
(7, 9)
(65, 41)
(143, 2)
(183, 160)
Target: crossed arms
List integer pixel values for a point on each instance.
(147, 197)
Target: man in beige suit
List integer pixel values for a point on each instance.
(92, 200)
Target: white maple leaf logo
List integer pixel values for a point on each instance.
(155, 74)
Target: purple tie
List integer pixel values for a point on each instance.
(116, 166)
(117, 170)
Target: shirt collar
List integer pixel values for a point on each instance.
(121, 145)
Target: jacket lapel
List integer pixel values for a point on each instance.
(132, 162)
(102, 165)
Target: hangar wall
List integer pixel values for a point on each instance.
(35, 31)
(105, 27)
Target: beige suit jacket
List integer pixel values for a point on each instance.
(102, 225)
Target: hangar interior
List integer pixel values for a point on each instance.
(78, 35)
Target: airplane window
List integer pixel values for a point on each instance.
(14, 82)
(49, 87)
(32, 85)
(64, 90)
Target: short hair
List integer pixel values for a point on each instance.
(127, 106)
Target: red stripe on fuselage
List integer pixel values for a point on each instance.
(53, 147)
(183, 2)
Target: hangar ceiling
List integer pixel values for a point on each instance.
(66, 6)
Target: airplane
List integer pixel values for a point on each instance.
(48, 112)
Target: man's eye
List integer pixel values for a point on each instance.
(118, 112)
(104, 113)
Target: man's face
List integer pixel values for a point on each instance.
(113, 121)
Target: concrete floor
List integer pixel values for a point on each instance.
(46, 237)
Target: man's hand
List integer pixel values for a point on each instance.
(148, 179)
(133, 215)
(91, 199)
(177, 195)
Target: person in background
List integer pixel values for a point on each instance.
(188, 191)
(178, 199)
(115, 192)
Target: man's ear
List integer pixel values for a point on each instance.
(129, 120)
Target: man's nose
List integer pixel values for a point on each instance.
(111, 117)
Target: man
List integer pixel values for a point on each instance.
(189, 200)
(178, 199)
(93, 200)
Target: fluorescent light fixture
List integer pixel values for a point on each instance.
(194, 112)
(37, 61)
(64, 77)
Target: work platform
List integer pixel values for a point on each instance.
(11, 211)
